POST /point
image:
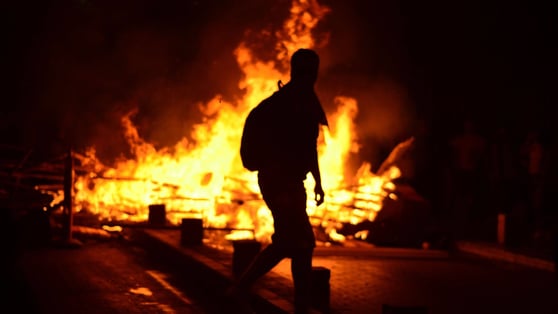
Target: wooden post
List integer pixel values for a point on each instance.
(321, 288)
(191, 232)
(68, 195)
(244, 252)
(157, 215)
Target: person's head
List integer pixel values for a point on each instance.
(304, 66)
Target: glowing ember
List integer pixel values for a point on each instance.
(203, 177)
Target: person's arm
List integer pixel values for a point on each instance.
(315, 170)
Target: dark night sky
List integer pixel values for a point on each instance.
(489, 58)
(75, 66)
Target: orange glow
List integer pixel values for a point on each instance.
(203, 177)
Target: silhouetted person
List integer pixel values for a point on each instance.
(292, 119)
(425, 177)
(502, 171)
(551, 201)
(468, 150)
(532, 152)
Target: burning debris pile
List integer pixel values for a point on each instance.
(202, 175)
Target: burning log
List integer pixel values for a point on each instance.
(396, 154)
(23, 175)
(229, 229)
(84, 231)
(49, 187)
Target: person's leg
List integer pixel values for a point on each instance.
(301, 269)
(239, 292)
(268, 258)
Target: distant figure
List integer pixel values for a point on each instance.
(551, 202)
(502, 171)
(532, 152)
(423, 155)
(280, 142)
(468, 150)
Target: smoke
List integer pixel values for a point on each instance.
(91, 62)
(366, 59)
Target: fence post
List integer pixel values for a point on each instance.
(321, 288)
(244, 252)
(191, 232)
(157, 215)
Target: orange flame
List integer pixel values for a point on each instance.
(203, 177)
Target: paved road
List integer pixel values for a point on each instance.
(108, 276)
(362, 280)
(122, 276)
(444, 286)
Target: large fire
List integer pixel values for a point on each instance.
(203, 176)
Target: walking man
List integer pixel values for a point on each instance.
(284, 138)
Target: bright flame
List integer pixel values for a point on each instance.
(204, 177)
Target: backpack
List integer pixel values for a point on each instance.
(273, 136)
(256, 145)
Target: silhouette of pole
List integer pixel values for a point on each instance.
(68, 195)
